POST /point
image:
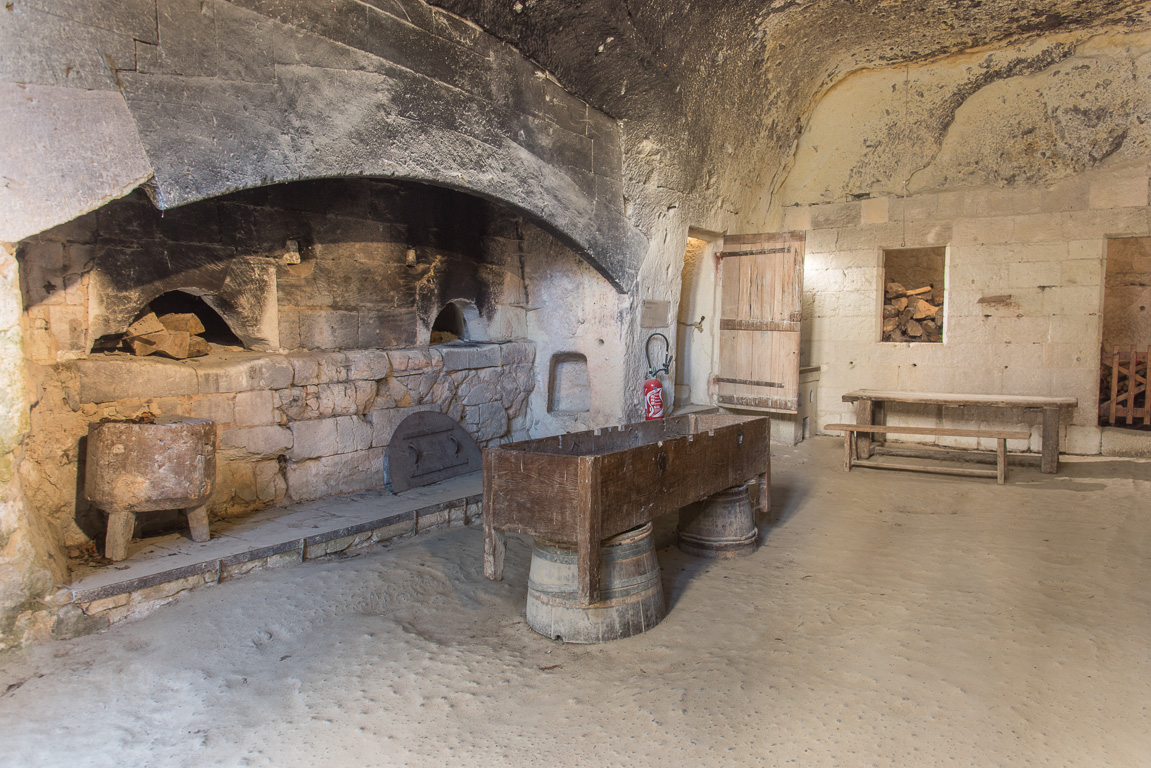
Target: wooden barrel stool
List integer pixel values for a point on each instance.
(630, 589)
(720, 526)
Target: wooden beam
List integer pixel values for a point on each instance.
(1008, 434)
(973, 400)
(589, 532)
(960, 471)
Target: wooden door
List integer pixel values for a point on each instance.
(761, 290)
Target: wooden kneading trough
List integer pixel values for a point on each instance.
(581, 488)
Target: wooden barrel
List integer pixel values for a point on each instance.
(721, 526)
(631, 593)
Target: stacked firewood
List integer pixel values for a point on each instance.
(912, 315)
(1128, 371)
(173, 335)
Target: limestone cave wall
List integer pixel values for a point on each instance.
(1023, 162)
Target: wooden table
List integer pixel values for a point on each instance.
(581, 488)
(870, 406)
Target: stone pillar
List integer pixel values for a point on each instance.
(25, 557)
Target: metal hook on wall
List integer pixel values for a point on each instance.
(697, 325)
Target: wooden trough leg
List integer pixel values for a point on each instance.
(764, 485)
(1001, 460)
(494, 547)
(494, 542)
(120, 527)
(589, 532)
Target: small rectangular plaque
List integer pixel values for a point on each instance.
(654, 314)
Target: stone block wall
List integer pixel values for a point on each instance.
(1023, 303)
(290, 426)
(1024, 162)
(337, 343)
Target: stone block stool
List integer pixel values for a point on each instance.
(149, 466)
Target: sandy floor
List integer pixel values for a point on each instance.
(889, 619)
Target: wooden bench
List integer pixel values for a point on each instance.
(1000, 435)
(870, 407)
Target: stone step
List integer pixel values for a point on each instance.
(157, 568)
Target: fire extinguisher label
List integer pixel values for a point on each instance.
(653, 400)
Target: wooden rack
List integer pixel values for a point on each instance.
(1125, 400)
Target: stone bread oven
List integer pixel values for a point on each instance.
(267, 163)
(331, 291)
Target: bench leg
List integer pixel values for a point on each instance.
(848, 449)
(864, 415)
(1050, 440)
(1001, 460)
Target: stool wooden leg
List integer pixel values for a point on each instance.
(1001, 460)
(120, 527)
(764, 483)
(198, 523)
(848, 449)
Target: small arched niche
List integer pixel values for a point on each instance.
(458, 321)
(178, 311)
(216, 328)
(569, 386)
(449, 325)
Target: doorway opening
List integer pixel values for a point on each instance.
(694, 343)
(1123, 378)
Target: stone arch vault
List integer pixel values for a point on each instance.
(198, 100)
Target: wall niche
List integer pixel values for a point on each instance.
(569, 386)
(913, 294)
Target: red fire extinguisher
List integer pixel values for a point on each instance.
(652, 389)
(652, 399)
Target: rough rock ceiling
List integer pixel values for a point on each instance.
(721, 87)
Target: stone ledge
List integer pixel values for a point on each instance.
(451, 502)
(106, 378)
(144, 582)
(460, 356)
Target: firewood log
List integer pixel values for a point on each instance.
(173, 344)
(149, 323)
(894, 289)
(922, 309)
(182, 321)
(198, 346)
